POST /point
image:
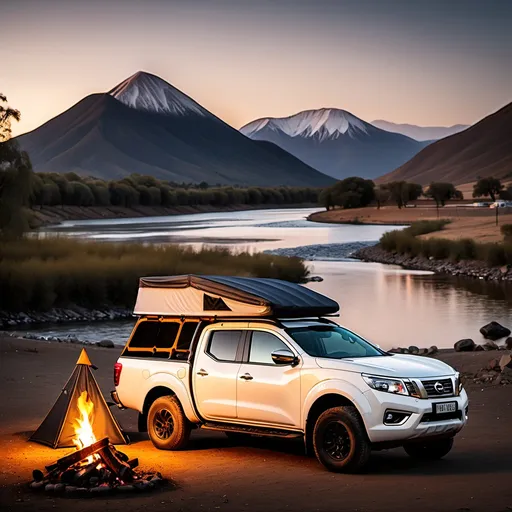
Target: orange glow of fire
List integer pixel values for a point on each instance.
(84, 434)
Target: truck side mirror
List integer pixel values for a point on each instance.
(284, 356)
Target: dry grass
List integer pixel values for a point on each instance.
(476, 223)
(40, 274)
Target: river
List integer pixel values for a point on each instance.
(389, 305)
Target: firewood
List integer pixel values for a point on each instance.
(118, 467)
(133, 463)
(78, 455)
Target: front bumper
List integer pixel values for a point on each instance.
(421, 422)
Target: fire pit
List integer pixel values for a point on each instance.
(96, 469)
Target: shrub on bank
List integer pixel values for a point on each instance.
(41, 274)
(406, 242)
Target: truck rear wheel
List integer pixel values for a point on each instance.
(168, 428)
(429, 450)
(340, 441)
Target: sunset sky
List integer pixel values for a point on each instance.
(422, 62)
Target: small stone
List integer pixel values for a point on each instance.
(102, 489)
(59, 488)
(49, 487)
(105, 344)
(71, 489)
(37, 486)
(432, 350)
(508, 344)
(414, 350)
(492, 364)
(126, 488)
(465, 345)
(490, 345)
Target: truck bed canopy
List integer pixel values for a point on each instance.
(225, 296)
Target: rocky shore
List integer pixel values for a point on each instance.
(61, 315)
(323, 252)
(474, 269)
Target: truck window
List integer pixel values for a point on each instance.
(262, 346)
(155, 335)
(186, 335)
(224, 345)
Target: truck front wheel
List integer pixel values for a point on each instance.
(340, 440)
(429, 450)
(168, 428)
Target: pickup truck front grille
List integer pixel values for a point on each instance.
(439, 387)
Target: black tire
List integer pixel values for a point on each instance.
(429, 450)
(340, 441)
(168, 428)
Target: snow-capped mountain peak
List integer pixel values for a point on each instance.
(144, 91)
(324, 123)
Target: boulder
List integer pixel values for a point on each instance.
(414, 350)
(490, 345)
(494, 331)
(105, 343)
(465, 345)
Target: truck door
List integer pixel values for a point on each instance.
(266, 392)
(215, 374)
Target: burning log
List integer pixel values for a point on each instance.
(65, 462)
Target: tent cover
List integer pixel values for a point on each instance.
(223, 296)
(58, 428)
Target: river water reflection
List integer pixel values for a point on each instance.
(387, 304)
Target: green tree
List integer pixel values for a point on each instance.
(402, 192)
(16, 176)
(351, 192)
(441, 192)
(382, 195)
(487, 187)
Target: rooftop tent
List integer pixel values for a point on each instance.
(224, 296)
(58, 428)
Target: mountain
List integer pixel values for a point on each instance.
(421, 133)
(336, 142)
(145, 125)
(482, 150)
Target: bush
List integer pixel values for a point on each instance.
(405, 242)
(40, 274)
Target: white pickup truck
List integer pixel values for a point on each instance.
(252, 356)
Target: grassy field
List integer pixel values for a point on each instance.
(478, 224)
(41, 274)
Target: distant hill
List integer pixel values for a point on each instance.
(336, 142)
(421, 133)
(145, 125)
(482, 150)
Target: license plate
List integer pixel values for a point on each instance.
(445, 407)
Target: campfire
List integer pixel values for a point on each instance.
(96, 467)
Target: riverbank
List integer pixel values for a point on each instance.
(466, 268)
(474, 476)
(49, 215)
(465, 222)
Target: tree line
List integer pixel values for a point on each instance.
(355, 192)
(52, 189)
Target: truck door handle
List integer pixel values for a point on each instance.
(246, 376)
(202, 372)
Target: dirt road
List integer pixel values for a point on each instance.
(215, 474)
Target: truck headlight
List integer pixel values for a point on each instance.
(395, 386)
(458, 384)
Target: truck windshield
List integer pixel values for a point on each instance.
(332, 342)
